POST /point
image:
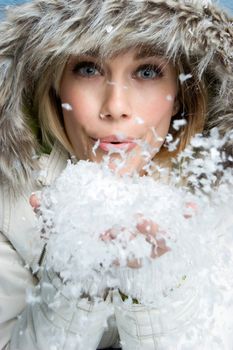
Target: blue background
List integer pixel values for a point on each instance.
(227, 4)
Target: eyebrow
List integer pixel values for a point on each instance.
(142, 52)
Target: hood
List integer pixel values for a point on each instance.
(38, 35)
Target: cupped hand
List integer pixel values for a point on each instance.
(153, 235)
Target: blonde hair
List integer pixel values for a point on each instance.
(192, 99)
(47, 108)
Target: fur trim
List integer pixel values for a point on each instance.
(37, 35)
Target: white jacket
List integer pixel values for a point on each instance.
(20, 251)
(38, 317)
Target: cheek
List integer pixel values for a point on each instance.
(156, 101)
(157, 110)
(82, 107)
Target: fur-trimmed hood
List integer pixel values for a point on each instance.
(36, 35)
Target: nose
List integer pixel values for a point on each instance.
(116, 102)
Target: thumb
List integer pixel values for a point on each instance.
(34, 200)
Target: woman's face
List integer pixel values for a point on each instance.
(121, 106)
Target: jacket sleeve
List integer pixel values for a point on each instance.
(37, 316)
(163, 327)
(40, 317)
(53, 320)
(15, 279)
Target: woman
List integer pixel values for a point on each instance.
(72, 73)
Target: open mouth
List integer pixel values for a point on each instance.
(116, 142)
(112, 143)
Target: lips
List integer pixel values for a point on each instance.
(115, 143)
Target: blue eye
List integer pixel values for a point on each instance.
(86, 69)
(148, 72)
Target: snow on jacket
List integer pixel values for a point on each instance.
(140, 327)
(21, 250)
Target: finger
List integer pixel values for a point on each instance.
(134, 263)
(34, 201)
(191, 209)
(159, 248)
(108, 235)
(147, 227)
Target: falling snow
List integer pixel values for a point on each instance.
(177, 124)
(92, 242)
(184, 77)
(66, 106)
